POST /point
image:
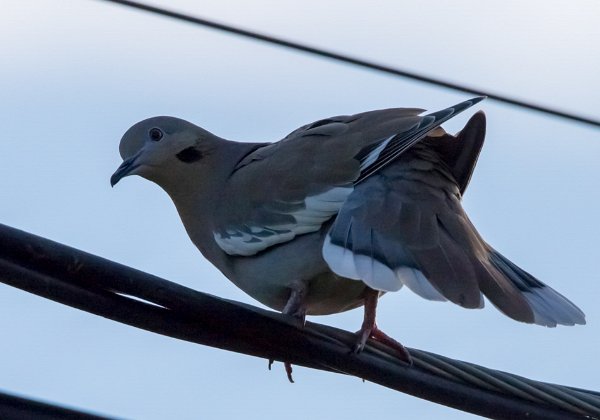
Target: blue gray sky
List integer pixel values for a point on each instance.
(76, 74)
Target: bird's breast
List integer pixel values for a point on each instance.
(268, 277)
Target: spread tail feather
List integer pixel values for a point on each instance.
(549, 307)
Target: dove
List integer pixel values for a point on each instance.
(340, 212)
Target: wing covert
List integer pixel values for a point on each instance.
(292, 187)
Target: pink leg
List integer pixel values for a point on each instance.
(294, 307)
(369, 329)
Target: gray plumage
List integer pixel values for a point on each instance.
(344, 204)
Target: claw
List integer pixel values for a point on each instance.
(363, 335)
(288, 371)
(369, 330)
(296, 308)
(378, 335)
(382, 337)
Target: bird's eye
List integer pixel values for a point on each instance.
(155, 134)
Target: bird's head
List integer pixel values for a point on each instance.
(161, 147)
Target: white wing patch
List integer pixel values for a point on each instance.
(374, 155)
(418, 283)
(376, 274)
(250, 239)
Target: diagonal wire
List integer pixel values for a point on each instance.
(18, 407)
(357, 61)
(126, 295)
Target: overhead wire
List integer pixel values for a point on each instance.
(356, 61)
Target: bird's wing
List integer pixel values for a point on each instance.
(293, 186)
(406, 226)
(460, 153)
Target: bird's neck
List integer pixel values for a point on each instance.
(196, 195)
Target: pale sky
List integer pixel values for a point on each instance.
(76, 74)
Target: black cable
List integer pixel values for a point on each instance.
(18, 408)
(103, 287)
(356, 61)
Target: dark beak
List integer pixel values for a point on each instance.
(125, 169)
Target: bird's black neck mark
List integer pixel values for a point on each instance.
(189, 155)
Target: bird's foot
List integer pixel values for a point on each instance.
(376, 334)
(296, 308)
(288, 369)
(369, 329)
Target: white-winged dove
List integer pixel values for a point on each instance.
(339, 212)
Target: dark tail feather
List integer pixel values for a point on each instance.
(549, 307)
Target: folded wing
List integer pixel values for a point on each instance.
(292, 187)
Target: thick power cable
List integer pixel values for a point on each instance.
(126, 295)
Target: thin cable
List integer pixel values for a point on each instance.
(357, 61)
